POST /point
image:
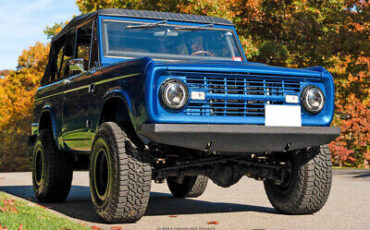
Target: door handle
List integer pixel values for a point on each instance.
(91, 88)
(66, 81)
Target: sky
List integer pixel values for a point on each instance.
(22, 23)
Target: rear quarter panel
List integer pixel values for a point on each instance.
(49, 98)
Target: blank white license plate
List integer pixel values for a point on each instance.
(283, 115)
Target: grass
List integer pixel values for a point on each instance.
(344, 168)
(14, 212)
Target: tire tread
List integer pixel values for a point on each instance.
(131, 181)
(313, 183)
(191, 186)
(59, 171)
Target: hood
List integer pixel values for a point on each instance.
(238, 67)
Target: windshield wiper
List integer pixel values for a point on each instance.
(193, 27)
(147, 25)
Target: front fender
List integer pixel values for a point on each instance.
(117, 92)
(328, 81)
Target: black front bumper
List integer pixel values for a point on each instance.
(238, 138)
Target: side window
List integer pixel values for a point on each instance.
(64, 49)
(59, 63)
(83, 44)
(68, 54)
(55, 58)
(94, 49)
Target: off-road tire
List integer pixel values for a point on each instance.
(310, 183)
(52, 170)
(130, 177)
(192, 186)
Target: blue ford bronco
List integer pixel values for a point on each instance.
(136, 96)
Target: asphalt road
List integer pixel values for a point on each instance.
(242, 206)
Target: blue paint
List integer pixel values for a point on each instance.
(140, 92)
(157, 72)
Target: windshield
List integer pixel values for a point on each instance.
(170, 42)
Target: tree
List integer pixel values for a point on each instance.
(17, 92)
(297, 33)
(51, 31)
(5, 72)
(221, 8)
(333, 34)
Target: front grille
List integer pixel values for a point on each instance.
(244, 86)
(222, 107)
(238, 95)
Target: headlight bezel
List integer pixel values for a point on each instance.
(164, 99)
(304, 99)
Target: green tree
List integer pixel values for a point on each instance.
(51, 31)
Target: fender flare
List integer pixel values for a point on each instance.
(48, 109)
(116, 93)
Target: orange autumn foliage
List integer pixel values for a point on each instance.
(17, 92)
(297, 33)
(352, 112)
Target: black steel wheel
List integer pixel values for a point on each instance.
(101, 172)
(120, 176)
(52, 169)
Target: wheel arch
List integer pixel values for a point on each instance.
(48, 121)
(116, 107)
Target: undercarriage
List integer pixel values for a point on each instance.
(122, 169)
(223, 169)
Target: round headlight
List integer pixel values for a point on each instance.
(312, 99)
(174, 94)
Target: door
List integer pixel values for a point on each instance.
(50, 95)
(77, 90)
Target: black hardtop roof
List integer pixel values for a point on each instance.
(141, 14)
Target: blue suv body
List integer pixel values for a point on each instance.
(177, 83)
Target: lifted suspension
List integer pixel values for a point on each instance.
(225, 170)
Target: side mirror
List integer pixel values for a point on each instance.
(76, 65)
